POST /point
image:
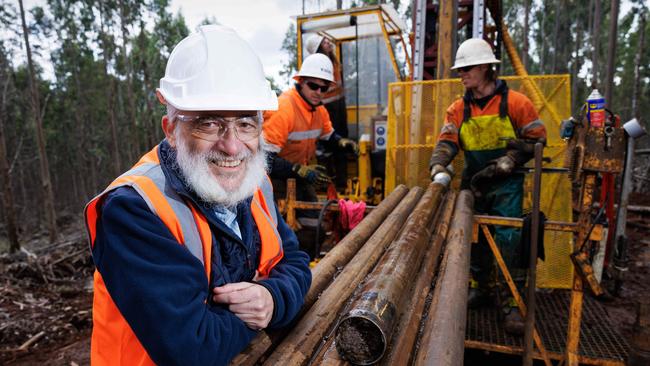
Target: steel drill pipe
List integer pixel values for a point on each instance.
(444, 331)
(298, 347)
(324, 272)
(363, 333)
(401, 347)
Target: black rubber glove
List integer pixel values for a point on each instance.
(486, 173)
(352, 146)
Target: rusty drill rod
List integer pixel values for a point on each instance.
(363, 333)
(444, 331)
(401, 348)
(324, 272)
(298, 347)
(329, 356)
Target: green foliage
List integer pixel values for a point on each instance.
(276, 88)
(289, 45)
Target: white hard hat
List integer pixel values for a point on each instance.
(316, 66)
(313, 42)
(474, 51)
(214, 69)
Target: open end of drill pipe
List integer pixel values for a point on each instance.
(361, 336)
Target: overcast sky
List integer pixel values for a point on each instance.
(261, 23)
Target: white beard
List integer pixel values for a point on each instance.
(197, 175)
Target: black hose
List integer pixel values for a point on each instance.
(318, 224)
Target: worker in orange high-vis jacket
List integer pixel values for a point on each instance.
(496, 128)
(192, 256)
(334, 102)
(301, 120)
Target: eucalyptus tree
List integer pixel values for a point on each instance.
(8, 205)
(46, 181)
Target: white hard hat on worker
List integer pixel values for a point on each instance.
(215, 69)
(313, 42)
(474, 51)
(214, 88)
(316, 66)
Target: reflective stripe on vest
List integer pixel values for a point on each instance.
(481, 133)
(305, 135)
(300, 147)
(113, 341)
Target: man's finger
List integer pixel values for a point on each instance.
(232, 287)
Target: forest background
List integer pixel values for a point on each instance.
(65, 136)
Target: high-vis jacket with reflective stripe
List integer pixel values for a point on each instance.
(119, 338)
(292, 130)
(484, 136)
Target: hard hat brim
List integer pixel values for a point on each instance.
(309, 75)
(474, 63)
(220, 102)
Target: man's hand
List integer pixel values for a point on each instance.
(479, 178)
(314, 174)
(437, 168)
(350, 145)
(250, 302)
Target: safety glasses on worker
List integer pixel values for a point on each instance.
(466, 68)
(313, 86)
(214, 128)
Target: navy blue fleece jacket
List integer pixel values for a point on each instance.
(161, 288)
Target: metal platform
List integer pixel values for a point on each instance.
(600, 344)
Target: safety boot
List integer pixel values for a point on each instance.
(479, 297)
(513, 322)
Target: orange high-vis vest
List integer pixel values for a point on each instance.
(113, 342)
(292, 130)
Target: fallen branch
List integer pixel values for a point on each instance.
(31, 341)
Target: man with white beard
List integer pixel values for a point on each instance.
(192, 256)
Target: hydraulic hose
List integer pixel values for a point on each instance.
(318, 224)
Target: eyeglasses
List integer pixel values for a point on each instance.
(466, 68)
(214, 128)
(313, 86)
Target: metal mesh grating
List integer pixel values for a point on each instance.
(598, 339)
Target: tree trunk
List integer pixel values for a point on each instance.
(48, 195)
(8, 207)
(577, 64)
(637, 67)
(524, 54)
(137, 143)
(595, 44)
(542, 54)
(611, 53)
(556, 33)
(110, 91)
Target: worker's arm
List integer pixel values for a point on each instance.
(283, 169)
(337, 142)
(161, 289)
(277, 125)
(289, 280)
(280, 167)
(447, 147)
(530, 129)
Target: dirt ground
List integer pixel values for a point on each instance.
(46, 295)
